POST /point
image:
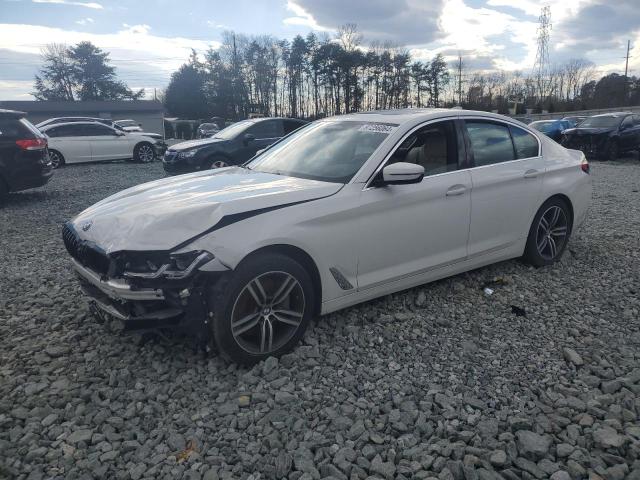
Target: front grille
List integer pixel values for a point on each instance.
(84, 253)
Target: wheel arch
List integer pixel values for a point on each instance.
(218, 154)
(302, 257)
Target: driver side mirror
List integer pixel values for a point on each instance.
(248, 138)
(402, 173)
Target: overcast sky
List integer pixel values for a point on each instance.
(149, 39)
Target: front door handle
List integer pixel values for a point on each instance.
(456, 190)
(533, 173)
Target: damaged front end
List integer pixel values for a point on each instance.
(593, 146)
(146, 290)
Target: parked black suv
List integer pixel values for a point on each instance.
(24, 158)
(232, 146)
(605, 136)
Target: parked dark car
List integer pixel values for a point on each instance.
(231, 146)
(206, 130)
(574, 121)
(605, 136)
(24, 159)
(551, 128)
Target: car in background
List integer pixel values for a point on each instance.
(93, 142)
(551, 128)
(605, 136)
(344, 210)
(24, 159)
(574, 121)
(206, 130)
(233, 145)
(129, 125)
(106, 121)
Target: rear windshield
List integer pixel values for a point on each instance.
(17, 128)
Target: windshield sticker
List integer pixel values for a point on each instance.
(377, 128)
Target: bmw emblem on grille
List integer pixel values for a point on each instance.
(87, 225)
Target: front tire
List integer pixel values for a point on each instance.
(263, 310)
(143, 153)
(57, 160)
(218, 162)
(549, 233)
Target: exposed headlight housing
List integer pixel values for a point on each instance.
(188, 153)
(179, 266)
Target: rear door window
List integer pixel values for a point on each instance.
(490, 142)
(526, 145)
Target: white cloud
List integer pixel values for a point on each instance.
(213, 24)
(139, 56)
(85, 21)
(302, 18)
(93, 5)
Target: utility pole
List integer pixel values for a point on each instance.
(626, 71)
(155, 96)
(626, 65)
(459, 79)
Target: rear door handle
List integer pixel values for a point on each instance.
(533, 173)
(456, 190)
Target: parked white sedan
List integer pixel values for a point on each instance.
(341, 211)
(76, 142)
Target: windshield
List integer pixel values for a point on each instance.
(600, 122)
(232, 130)
(329, 151)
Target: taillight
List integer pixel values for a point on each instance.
(584, 165)
(32, 144)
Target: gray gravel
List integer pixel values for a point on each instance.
(440, 381)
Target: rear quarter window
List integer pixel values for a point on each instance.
(526, 145)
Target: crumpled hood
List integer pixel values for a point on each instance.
(203, 142)
(160, 215)
(587, 131)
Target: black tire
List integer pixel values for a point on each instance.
(233, 301)
(144, 153)
(544, 247)
(57, 159)
(612, 152)
(216, 162)
(4, 191)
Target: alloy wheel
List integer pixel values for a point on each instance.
(145, 154)
(218, 164)
(552, 232)
(267, 312)
(54, 157)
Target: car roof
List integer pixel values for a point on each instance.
(262, 119)
(418, 115)
(614, 114)
(56, 125)
(12, 113)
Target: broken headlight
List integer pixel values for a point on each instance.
(176, 267)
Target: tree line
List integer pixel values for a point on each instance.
(320, 75)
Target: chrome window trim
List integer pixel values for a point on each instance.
(506, 122)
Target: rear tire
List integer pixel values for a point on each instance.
(263, 310)
(143, 153)
(57, 159)
(549, 233)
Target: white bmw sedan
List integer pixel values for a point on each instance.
(76, 142)
(339, 212)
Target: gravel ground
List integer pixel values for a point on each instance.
(440, 381)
